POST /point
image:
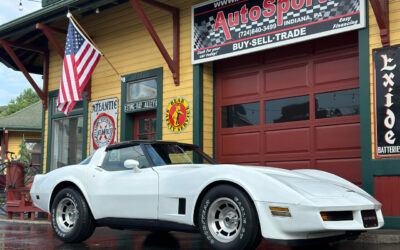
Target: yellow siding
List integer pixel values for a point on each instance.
(15, 139)
(375, 42)
(122, 37)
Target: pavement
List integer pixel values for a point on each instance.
(27, 234)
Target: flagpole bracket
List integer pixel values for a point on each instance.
(173, 63)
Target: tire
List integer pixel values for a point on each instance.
(71, 218)
(228, 219)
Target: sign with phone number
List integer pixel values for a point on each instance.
(226, 28)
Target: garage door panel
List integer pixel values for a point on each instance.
(338, 137)
(287, 141)
(349, 169)
(247, 143)
(240, 85)
(289, 164)
(336, 69)
(293, 76)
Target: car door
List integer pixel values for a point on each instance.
(119, 192)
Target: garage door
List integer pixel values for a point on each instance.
(292, 107)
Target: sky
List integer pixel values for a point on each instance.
(12, 83)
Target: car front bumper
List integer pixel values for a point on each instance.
(305, 221)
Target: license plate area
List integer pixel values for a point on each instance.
(369, 218)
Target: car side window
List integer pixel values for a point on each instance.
(115, 158)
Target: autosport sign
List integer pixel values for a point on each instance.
(104, 122)
(227, 28)
(387, 101)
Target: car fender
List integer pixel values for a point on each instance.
(46, 185)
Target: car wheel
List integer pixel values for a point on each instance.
(228, 219)
(71, 218)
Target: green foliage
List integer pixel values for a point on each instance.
(26, 98)
(25, 156)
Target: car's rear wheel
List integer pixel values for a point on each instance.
(228, 219)
(70, 216)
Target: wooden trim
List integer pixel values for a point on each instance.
(381, 11)
(173, 64)
(7, 46)
(47, 31)
(198, 105)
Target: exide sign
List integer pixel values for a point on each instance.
(387, 101)
(227, 28)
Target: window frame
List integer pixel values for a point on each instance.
(81, 112)
(127, 119)
(37, 152)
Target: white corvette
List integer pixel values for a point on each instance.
(166, 186)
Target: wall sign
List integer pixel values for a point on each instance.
(177, 115)
(140, 106)
(226, 28)
(104, 123)
(387, 101)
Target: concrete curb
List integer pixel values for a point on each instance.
(42, 222)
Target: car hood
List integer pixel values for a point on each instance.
(317, 185)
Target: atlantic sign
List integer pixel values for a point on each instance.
(227, 28)
(387, 101)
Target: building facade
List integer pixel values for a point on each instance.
(290, 101)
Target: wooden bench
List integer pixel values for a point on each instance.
(19, 201)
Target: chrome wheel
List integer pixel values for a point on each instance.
(66, 214)
(224, 220)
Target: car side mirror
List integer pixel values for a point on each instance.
(133, 164)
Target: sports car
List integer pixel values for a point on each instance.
(170, 186)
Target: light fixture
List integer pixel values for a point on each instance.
(21, 8)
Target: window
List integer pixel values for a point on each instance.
(142, 90)
(114, 159)
(338, 103)
(67, 140)
(287, 110)
(240, 115)
(66, 143)
(34, 148)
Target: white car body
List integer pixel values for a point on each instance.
(154, 194)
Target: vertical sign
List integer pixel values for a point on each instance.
(387, 101)
(104, 123)
(226, 28)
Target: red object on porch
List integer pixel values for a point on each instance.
(18, 197)
(15, 175)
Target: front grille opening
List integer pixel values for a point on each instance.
(337, 215)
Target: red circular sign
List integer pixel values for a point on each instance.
(103, 131)
(177, 115)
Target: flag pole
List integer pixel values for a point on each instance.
(69, 15)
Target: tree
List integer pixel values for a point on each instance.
(26, 98)
(25, 156)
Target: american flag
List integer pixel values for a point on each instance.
(80, 59)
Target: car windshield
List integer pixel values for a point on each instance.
(168, 154)
(86, 161)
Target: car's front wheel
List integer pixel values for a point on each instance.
(228, 219)
(70, 216)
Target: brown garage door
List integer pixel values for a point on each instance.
(292, 107)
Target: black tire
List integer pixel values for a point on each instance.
(236, 224)
(71, 218)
